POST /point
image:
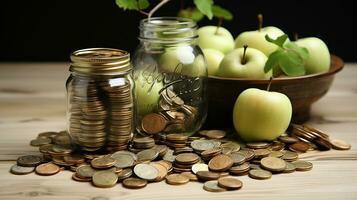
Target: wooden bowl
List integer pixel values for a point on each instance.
(302, 91)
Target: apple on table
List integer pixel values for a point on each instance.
(260, 115)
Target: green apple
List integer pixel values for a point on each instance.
(212, 37)
(236, 64)
(147, 92)
(260, 115)
(256, 39)
(213, 58)
(319, 55)
(183, 60)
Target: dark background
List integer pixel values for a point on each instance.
(48, 30)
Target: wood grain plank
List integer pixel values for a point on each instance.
(32, 100)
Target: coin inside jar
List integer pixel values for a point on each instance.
(153, 123)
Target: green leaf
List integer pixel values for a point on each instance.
(278, 41)
(273, 60)
(292, 64)
(220, 12)
(205, 7)
(133, 4)
(302, 51)
(192, 13)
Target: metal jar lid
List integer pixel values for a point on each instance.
(100, 61)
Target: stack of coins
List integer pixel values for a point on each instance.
(100, 113)
(120, 102)
(212, 157)
(172, 116)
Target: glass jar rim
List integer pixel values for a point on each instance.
(168, 29)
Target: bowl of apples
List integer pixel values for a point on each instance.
(303, 69)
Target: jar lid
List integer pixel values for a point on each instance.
(100, 61)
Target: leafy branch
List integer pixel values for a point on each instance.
(202, 8)
(288, 58)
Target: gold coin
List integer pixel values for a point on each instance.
(232, 146)
(288, 139)
(220, 163)
(85, 171)
(289, 167)
(20, 170)
(125, 173)
(103, 162)
(302, 165)
(300, 146)
(74, 159)
(80, 179)
(212, 186)
(237, 157)
(261, 153)
(177, 179)
(162, 170)
(134, 183)
(29, 161)
(190, 176)
(240, 168)
(47, 169)
(230, 183)
(249, 154)
(273, 164)
(207, 175)
(276, 154)
(146, 171)
(339, 144)
(202, 145)
(258, 145)
(176, 137)
(260, 174)
(40, 141)
(211, 152)
(104, 179)
(323, 144)
(290, 156)
(147, 155)
(153, 123)
(187, 158)
(215, 134)
(199, 167)
(123, 160)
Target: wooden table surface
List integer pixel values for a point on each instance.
(32, 100)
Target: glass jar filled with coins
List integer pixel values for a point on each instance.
(170, 75)
(100, 99)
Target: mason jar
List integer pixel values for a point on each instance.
(170, 75)
(100, 108)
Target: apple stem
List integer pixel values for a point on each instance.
(159, 5)
(260, 22)
(219, 25)
(296, 36)
(244, 52)
(269, 84)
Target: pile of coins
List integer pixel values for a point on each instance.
(172, 115)
(211, 157)
(100, 113)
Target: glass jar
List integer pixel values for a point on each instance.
(170, 75)
(100, 99)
